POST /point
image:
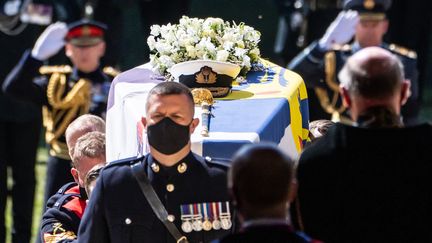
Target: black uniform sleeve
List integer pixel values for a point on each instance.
(93, 227)
(24, 81)
(309, 64)
(59, 224)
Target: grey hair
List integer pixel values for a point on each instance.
(91, 145)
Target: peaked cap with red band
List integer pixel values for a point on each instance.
(85, 33)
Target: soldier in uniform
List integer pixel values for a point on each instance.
(319, 64)
(192, 191)
(369, 182)
(65, 208)
(262, 195)
(65, 92)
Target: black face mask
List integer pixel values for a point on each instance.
(83, 193)
(168, 137)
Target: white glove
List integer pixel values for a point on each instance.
(50, 41)
(341, 30)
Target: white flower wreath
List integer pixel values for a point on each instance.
(203, 39)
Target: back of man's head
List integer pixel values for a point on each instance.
(372, 73)
(260, 179)
(80, 126)
(91, 145)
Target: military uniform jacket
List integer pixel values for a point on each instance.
(319, 69)
(64, 92)
(119, 212)
(367, 185)
(269, 234)
(61, 220)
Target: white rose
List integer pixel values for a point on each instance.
(166, 61)
(246, 62)
(155, 30)
(184, 20)
(165, 29)
(191, 51)
(210, 46)
(163, 48)
(238, 52)
(151, 42)
(228, 45)
(222, 55)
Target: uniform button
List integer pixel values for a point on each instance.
(128, 221)
(171, 218)
(181, 168)
(208, 158)
(170, 187)
(155, 167)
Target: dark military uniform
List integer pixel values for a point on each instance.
(269, 233)
(319, 69)
(362, 184)
(63, 215)
(65, 94)
(119, 212)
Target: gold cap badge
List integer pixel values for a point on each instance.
(369, 4)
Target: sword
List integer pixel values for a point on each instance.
(204, 98)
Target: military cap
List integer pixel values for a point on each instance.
(369, 9)
(212, 75)
(85, 32)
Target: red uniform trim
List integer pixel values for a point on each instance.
(76, 205)
(91, 31)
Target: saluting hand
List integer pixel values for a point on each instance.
(341, 30)
(50, 41)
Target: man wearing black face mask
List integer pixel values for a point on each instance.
(192, 192)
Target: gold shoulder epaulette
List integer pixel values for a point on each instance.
(403, 51)
(55, 69)
(111, 71)
(338, 47)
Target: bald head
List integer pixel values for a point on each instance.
(373, 77)
(372, 73)
(80, 126)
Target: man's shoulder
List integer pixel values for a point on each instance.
(123, 162)
(111, 71)
(401, 51)
(215, 166)
(59, 69)
(263, 235)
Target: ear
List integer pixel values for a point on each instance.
(74, 173)
(346, 99)
(405, 91)
(293, 191)
(102, 48)
(385, 26)
(68, 50)
(193, 125)
(144, 122)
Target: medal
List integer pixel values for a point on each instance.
(206, 225)
(186, 217)
(216, 224)
(215, 211)
(226, 223)
(197, 223)
(225, 216)
(186, 226)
